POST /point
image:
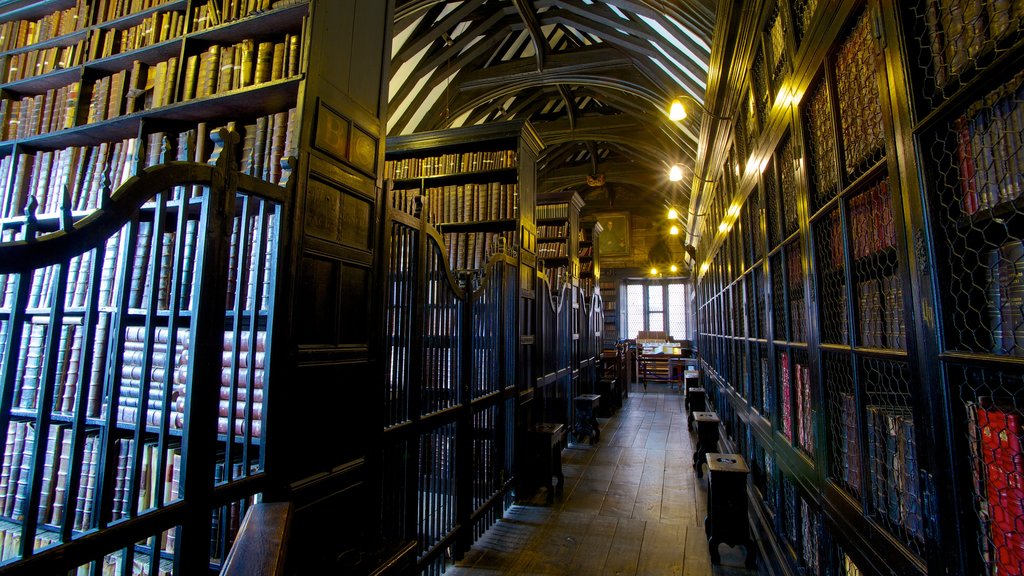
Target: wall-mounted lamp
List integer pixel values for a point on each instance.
(675, 173)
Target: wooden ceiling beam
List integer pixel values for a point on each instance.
(431, 31)
(529, 17)
(591, 59)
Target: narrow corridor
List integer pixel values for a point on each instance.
(631, 505)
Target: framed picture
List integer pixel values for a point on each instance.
(614, 239)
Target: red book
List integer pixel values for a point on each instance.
(1001, 433)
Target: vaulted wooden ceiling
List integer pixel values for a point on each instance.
(593, 76)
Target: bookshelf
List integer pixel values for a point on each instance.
(817, 323)
(141, 174)
(590, 259)
(558, 228)
(463, 334)
(610, 298)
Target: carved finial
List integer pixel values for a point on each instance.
(288, 164)
(105, 190)
(417, 205)
(165, 149)
(137, 159)
(224, 141)
(66, 223)
(31, 224)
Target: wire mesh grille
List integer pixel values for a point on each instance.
(952, 42)
(771, 195)
(795, 296)
(803, 11)
(978, 166)
(760, 292)
(760, 374)
(894, 492)
(810, 538)
(760, 87)
(784, 384)
(787, 165)
(842, 422)
(771, 488)
(803, 402)
(857, 73)
(877, 283)
(778, 273)
(834, 326)
(992, 402)
(821, 144)
(789, 506)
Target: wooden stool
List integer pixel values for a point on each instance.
(544, 442)
(695, 401)
(727, 522)
(607, 388)
(586, 418)
(707, 439)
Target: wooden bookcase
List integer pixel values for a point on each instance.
(590, 259)
(162, 271)
(558, 227)
(863, 302)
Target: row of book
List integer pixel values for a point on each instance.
(871, 222)
(880, 321)
(859, 99)
(797, 411)
(556, 211)
(143, 87)
(472, 250)
(107, 10)
(157, 27)
(16, 34)
(471, 202)
(989, 137)
(250, 260)
(552, 230)
(586, 252)
(216, 12)
(452, 163)
(820, 140)
(27, 116)
(892, 463)
(77, 171)
(849, 444)
(794, 279)
(551, 250)
(961, 31)
(996, 431)
(32, 63)
(220, 69)
(1004, 292)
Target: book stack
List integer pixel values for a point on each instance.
(997, 430)
(266, 142)
(30, 115)
(849, 443)
(786, 389)
(892, 461)
(860, 104)
(795, 279)
(989, 137)
(551, 249)
(107, 10)
(551, 230)
(143, 87)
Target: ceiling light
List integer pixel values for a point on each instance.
(672, 214)
(674, 230)
(676, 112)
(674, 268)
(654, 271)
(675, 174)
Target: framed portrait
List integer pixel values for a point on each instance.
(614, 239)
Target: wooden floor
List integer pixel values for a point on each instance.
(631, 505)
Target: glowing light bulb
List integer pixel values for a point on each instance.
(674, 230)
(672, 214)
(676, 112)
(675, 174)
(674, 268)
(654, 271)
